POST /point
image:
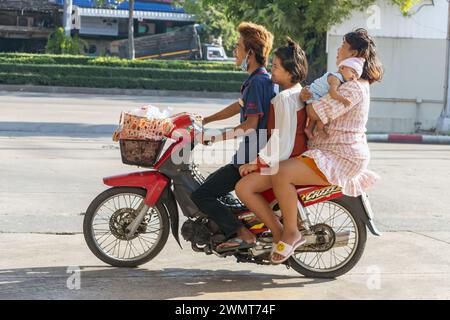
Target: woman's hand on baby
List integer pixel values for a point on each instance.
(321, 128)
(346, 102)
(248, 168)
(305, 94)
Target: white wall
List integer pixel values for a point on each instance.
(99, 26)
(413, 52)
(385, 20)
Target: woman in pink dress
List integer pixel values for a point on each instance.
(341, 155)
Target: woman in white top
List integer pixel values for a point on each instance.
(289, 68)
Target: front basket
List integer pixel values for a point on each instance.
(142, 153)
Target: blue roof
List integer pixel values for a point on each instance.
(140, 6)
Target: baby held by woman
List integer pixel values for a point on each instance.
(349, 70)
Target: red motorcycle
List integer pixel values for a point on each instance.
(129, 224)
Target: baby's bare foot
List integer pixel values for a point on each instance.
(308, 133)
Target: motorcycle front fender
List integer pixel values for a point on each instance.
(168, 200)
(152, 181)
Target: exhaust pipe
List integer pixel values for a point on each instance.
(342, 238)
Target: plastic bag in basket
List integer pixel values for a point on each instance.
(145, 123)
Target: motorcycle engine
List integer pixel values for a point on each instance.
(202, 232)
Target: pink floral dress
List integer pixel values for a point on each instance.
(343, 155)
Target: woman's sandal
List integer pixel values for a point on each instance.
(286, 250)
(274, 248)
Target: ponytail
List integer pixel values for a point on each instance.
(293, 59)
(360, 41)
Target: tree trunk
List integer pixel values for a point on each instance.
(67, 17)
(131, 30)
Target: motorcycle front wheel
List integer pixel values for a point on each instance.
(107, 218)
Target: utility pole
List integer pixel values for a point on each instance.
(67, 18)
(131, 53)
(443, 125)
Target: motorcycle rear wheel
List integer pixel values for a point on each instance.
(300, 263)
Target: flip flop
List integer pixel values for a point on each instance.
(241, 244)
(274, 248)
(286, 250)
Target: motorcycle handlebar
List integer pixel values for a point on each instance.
(181, 131)
(185, 120)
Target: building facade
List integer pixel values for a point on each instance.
(100, 26)
(26, 24)
(97, 26)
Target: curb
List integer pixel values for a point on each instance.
(115, 91)
(409, 138)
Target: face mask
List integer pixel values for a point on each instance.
(244, 63)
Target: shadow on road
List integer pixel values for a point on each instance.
(113, 283)
(73, 130)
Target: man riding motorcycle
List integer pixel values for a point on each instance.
(251, 52)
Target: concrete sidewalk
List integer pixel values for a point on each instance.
(398, 265)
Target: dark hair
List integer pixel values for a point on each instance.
(363, 43)
(293, 59)
(257, 39)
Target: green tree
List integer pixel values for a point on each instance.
(59, 43)
(406, 5)
(214, 21)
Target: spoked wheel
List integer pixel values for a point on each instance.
(105, 228)
(341, 238)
